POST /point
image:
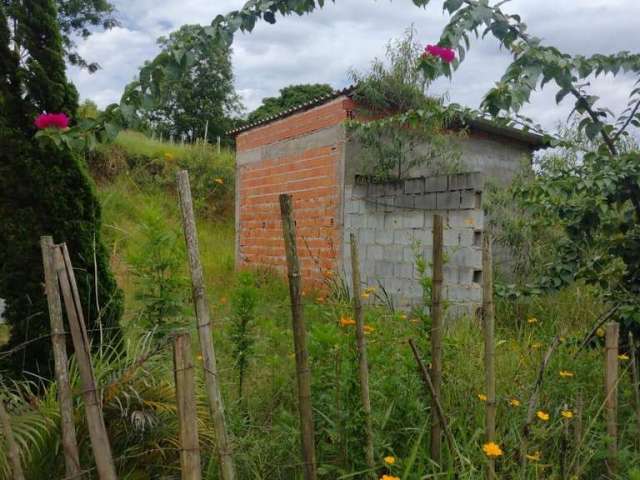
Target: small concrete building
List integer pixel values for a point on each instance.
(307, 152)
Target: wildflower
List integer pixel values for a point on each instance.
(536, 345)
(514, 402)
(51, 120)
(534, 457)
(389, 477)
(482, 397)
(492, 450)
(370, 290)
(365, 295)
(368, 329)
(567, 374)
(389, 460)
(544, 416)
(532, 320)
(328, 273)
(346, 321)
(403, 317)
(219, 181)
(568, 414)
(415, 320)
(199, 357)
(168, 156)
(624, 357)
(447, 55)
(600, 332)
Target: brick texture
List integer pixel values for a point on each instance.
(310, 175)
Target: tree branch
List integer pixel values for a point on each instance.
(626, 124)
(607, 140)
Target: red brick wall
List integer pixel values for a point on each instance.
(311, 175)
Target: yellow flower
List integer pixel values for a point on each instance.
(514, 402)
(624, 357)
(199, 357)
(567, 374)
(492, 450)
(415, 320)
(534, 457)
(389, 477)
(544, 416)
(328, 273)
(532, 320)
(346, 321)
(365, 295)
(403, 317)
(219, 181)
(568, 414)
(368, 329)
(370, 290)
(168, 156)
(389, 460)
(482, 397)
(536, 345)
(600, 332)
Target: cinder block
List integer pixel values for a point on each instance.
(354, 206)
(414, 185)
(426, 201)
(405, 201)
(436, 184)
(413, 219)
(354, 221)
(393, 253)
(374, 220)
(451, 276)
(384, 237)
(465, 237)
(470, 199)
(393, 188)
(448, 200)
(384, 268)
(404, 270)
(393, 220)
(451, 237)
(357, 191)
(366, 236)
(375, 190)
(462, 219)
(374, 253)
(404, 237)
(408, 254)
(463, 181)
(386, 204)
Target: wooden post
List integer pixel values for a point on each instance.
(635, 380)
(611, 392)
(58, 340)
(95, 421)
(11, 446)
(437, 328)
(206, 133)
(489, 344)
(303, 372)
(363, 364)
(186, 406)
(218, 143)
(203, 318)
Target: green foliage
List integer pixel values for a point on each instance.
(203, 92)
(398, 126)
(158, 265)
(44, 191)
(88, 109)
(289, 97)
(243, 303)
(80, 18)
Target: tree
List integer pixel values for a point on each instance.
(78, 18)
(88, 109)
(44, 190)
(290, 96)
(203, 92)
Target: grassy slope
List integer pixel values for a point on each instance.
(265, 425)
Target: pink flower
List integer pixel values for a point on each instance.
(447, 55)
(51, 120)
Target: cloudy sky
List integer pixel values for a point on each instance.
(326, 45)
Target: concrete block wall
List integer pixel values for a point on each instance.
(393, 222)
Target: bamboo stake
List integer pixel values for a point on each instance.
(363, 365)
(437, 327)
(431, 391)
(186, 403)
(95, 421)
(216, 405)
(58, 340)
(303, 372)
(11, 445)
(489, 345)
(635, 379)
(611, 385)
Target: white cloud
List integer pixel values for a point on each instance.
(324, 46)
